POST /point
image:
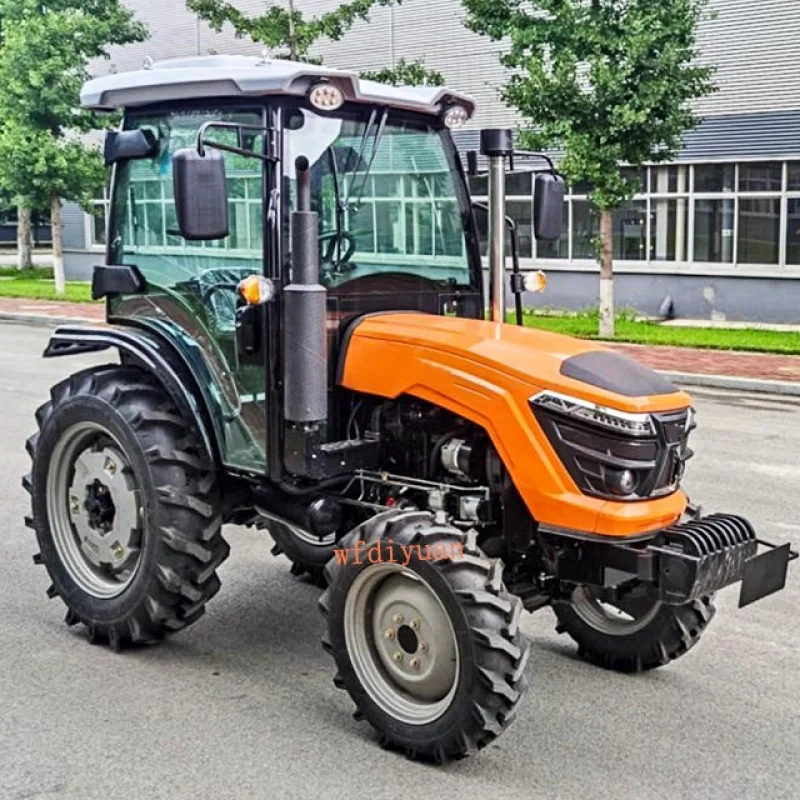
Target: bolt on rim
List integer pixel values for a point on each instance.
(401, 643)
(93, 507)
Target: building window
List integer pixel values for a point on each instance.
(97, 221)
(793, 231)
(759, 231)
(713, 231)
(728, 215)
(669, 231)
(715, 178)
(766, 177)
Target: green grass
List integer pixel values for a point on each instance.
(35, 273)
(37, 284)
(584, 326)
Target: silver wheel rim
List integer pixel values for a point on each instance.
(606, 617)
(93, 507)
(401, 643)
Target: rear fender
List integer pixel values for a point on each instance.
(155, 354)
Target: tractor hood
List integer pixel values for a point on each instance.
(412, 343)
(487, 373)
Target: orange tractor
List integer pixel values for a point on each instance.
(295, 292)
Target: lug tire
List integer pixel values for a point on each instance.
(673, 631)
(307, 559)
(181, 543)
(491, 679)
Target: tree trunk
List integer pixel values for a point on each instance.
(58, 245)
(606, 274)
(292, 33)
(24, 238)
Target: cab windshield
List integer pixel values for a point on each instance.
(385, 188)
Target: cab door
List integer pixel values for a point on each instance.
(190, 286)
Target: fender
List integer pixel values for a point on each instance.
(155, 354)
(487, 373)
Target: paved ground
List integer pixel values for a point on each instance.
(242, 704)
(764, 366)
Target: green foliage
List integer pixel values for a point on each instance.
(609, 81)
(43, 64)
(406, 73)
(286, 29)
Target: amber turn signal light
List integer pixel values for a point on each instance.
(535, 281)
(256, 289)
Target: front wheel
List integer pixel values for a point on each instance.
(424, 635)
(627, 628)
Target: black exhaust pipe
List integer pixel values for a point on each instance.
(307, 451)
(305, 350)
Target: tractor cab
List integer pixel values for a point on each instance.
(205, 184)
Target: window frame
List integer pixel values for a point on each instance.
(688, 266)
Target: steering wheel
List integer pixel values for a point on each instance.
(332, 238)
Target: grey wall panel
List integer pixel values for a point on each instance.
(768, 134)
(754, 44)
(695, 296)
(73, 226)
(79, 266)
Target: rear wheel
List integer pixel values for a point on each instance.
(125, 507)
(627, 628)
(308, 553)
(428, 648)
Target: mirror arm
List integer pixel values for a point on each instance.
(516, 281)
(203, 142)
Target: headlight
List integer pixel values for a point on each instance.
(615, 454)
(326, 97)
(456, 116)
(632, 424)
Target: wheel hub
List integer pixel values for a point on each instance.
(402, 643)
(93, 507)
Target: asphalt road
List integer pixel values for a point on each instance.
(242, 705)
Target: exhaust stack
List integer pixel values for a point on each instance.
(305, 348)
(496, 143)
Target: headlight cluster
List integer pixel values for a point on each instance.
(615, 454)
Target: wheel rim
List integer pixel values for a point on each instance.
(93, 509)
(401, 643)
(623, 615)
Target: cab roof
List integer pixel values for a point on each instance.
(179, 79)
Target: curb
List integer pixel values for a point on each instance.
(39, 321)
(734, 384)
(728, 382)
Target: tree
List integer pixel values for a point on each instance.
(406, 73)
(288, 28)
(609, 81)
(43, 64)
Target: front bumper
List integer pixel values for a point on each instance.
(703, 555)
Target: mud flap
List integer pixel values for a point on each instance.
(765, 574)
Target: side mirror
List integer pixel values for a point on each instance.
(201, 194)
(548, 206)
(129, 145)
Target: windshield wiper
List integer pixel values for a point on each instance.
(340, 205)
(380, 126)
